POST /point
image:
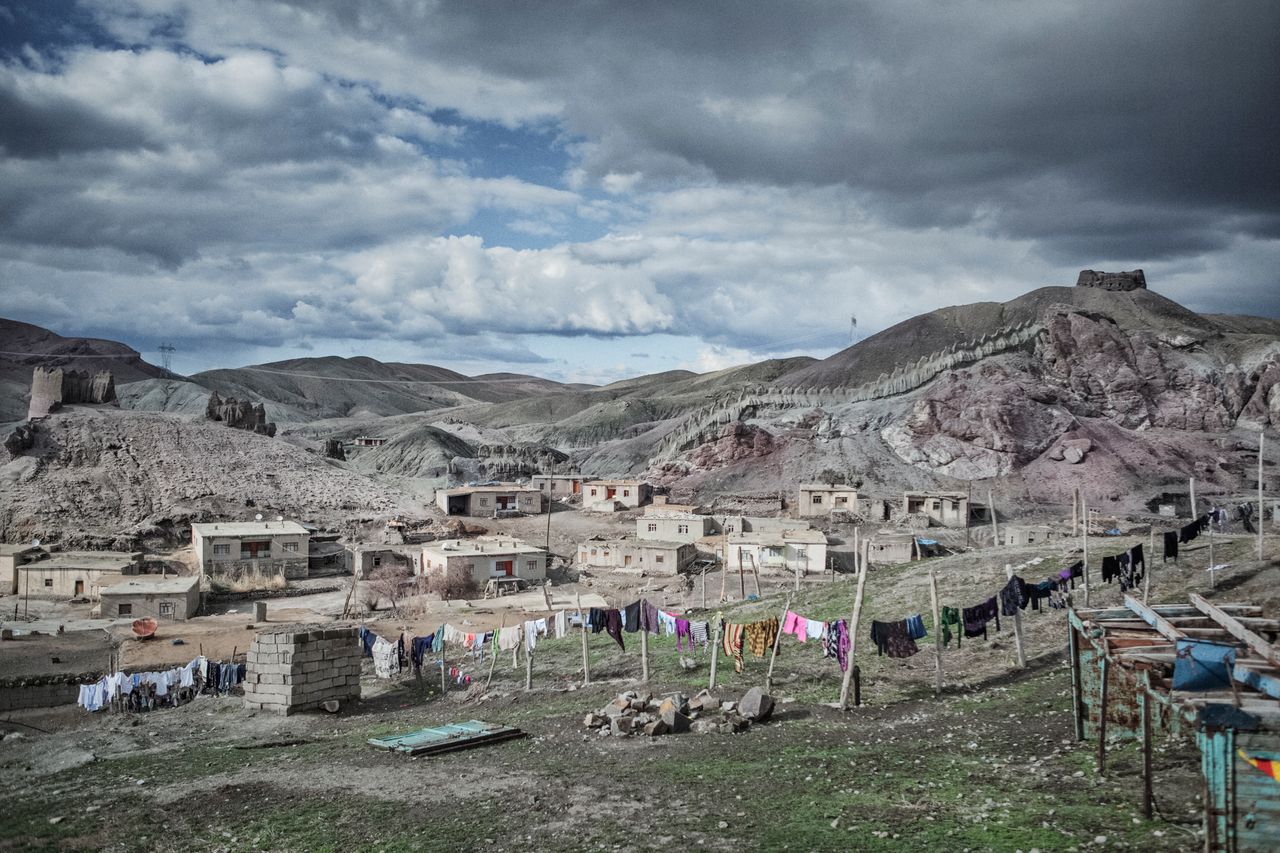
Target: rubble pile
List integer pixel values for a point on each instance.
(640, 713)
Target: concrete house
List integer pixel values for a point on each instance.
(485, 557)
(490, 501)
(648, 556)
(558, 486)
(672, 523)
(890, 550)
(236, 548)
(12, 556)
(608, 495)
(75, 574)
(158, 597)
(950, 509)
(788, 551)
(817, 499)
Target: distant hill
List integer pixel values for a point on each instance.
(23, 347)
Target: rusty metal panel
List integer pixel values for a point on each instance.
(1257, 793)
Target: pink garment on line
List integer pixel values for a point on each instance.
(795, 624)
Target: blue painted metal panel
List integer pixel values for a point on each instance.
(1259, 679)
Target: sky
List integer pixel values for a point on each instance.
(594, 190)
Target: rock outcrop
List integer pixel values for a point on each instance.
(333, 450)
(51, 388)
(239, 414)
(1116, 281)
(20, 439)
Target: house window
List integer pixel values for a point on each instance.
(531, 565)
(48, 581)
(657, 558)
(937, 505)
(593, 493)
(653, 528)
(683, 528)
(166, 610)
(484, 502)
(291, 547)
(124, 609)
(817, 499)
(377, 561)
(842, 500)
(221, 550)
(593, 552)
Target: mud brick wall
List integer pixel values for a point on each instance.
(296, 669)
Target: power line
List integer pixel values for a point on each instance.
(57, 355)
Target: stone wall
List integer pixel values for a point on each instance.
(51, 388)
(1115, 281)
(233, 570)
(42, 691)
(299, 668)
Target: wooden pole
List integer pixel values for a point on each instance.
(724, 573)
(528, 666)
(1145, 707)
(995, 527)
(1261, 512)
(1191, 486)
(1084, 540)
(777, 639)
(1077, 686)
(715, 654)
(1213, 576)
(755, 573)
(1147, 568)
(1075, 511)
(704, 589)
(968, 508)
(742, 578)
(444, 680)
(493, 653)
(586, 660)
(853, 626)
(937, 631)
(644, 654)
(1017, 626)
(1102, 721)
(806, 569)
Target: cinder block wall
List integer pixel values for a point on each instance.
(296, 669)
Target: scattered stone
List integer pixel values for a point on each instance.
(656, 728)
(756, 705)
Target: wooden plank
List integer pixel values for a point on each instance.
(1237, 630)
(1152, 618)
(1263, 679)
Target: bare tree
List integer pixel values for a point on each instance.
(387, 581)
(454, 582)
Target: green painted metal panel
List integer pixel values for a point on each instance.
(446, 738)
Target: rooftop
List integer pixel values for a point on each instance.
(154, 584)
(804, 536)
(480, 545)
(9, 550)
(502, 488)
(98, 561)
(609, 482)
(956, 495)
(635, 543)
(249, 528)
(826, 487)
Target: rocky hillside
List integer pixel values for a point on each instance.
(106, 476)
(26, 347)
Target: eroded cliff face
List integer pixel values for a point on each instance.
(1003, 413)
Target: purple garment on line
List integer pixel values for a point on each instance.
(683, 630)
(648, 616)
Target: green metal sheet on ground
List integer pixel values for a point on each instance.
(438, 739)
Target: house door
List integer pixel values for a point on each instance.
(609, 493)
(577, 487)
(626, 560)
(506, 567)
(79, 588)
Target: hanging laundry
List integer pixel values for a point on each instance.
(367, 639)
(613, 626)
(667, 622)
(421, 646)
(836, 642)
(648, 617)
(701, 632)
(631, 617)
(386, 661)
(509, 638)
(1110, 568)
(595, 620)
(951, 617)
(915, 627)
(893, 639)
(1040, 592)
(562, 623)
(761, 635)
(1170, 545)
(1014, 596)
(814, 629)
(530, 635)
(977, 617)
(732, 642)
(683, 632)
(796, 625)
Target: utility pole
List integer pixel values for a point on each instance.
(166, 351)
(1262, 513)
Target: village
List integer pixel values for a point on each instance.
(490, 607)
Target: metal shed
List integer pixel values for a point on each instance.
(1203, 668)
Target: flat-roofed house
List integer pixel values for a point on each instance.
(12, 556)
(75, 574)
(490, 501)
(485, 557)
(231, 549)
(668, 524)
(802, 549)
(638, 555)
(817, 499)
(173, 597)
(558, 486)
(950, 509)
(608, 495)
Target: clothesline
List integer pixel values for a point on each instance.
(144, 691)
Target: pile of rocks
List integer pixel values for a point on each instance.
(638, 713)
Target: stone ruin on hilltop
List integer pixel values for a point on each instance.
(1114, 281)
(239, 414)
(52, 387)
